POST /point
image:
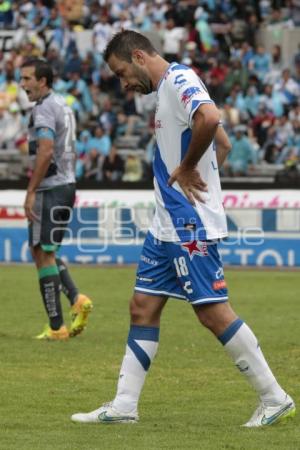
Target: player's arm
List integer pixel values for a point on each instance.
(45, 139)
(205, 123)
(223, 145)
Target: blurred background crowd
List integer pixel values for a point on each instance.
(257, 89)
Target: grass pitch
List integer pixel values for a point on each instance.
(194, 398)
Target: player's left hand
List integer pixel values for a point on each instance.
(28, 206)
(190, 182)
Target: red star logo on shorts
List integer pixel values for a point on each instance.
(195, 248)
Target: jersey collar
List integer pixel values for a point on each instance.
(164, 76)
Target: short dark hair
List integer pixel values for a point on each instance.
(41, 69)
(123, 43)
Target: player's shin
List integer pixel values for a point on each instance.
(68, 286)
(50, 289)
(141, 349)
(241, 344)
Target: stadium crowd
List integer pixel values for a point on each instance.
(258, 95)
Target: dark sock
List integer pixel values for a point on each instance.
(68, 286)
(50, 290)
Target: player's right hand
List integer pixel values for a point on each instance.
(28, 206)
(190, 182)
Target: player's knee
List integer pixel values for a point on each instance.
(43, 258)
(216, 317)
(208, 315)
(138, 309)
(206, 320)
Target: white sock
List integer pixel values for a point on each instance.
(241, 344)
(141, 349)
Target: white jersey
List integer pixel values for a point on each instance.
(179, 94)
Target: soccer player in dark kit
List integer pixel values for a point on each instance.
(50, 197)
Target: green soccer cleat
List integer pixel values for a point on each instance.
(271, 415)
(106, 414)
(48, 334)
(79, 314)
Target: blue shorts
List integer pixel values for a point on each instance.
(191, 271)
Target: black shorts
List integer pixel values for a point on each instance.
(53, 208)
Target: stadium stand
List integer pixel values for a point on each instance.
(246, 54)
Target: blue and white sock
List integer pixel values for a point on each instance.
(141, 348)
(241, 344)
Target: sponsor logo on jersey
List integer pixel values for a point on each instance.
(220, 273)
(187, 95)
(147, 260)
(147, 280)
(218, 285)
(195, 248)
(179, 79)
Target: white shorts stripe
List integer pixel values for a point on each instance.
(208, 300)
(152, 291)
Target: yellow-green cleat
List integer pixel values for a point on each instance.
(48, 334)
(79, 314)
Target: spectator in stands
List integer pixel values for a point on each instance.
(124, 22)
(173, 41)
(100, 141)
(237, 99)
(93, 165)
(288, 87)
(72, 64)
(204, 29)
(230, 116)
(242, 156)
(55, 20)
(98, 146)
(252, 26)
(102, 32)
(216, 89)
(6, 14)
(53, 57)
(81, 91)
(64, 40)
(246, 53)
(192, 57)
(251, 102)
(113, 166)
(82, 150)
(129, 108)
(108, 117)
(133, 168)
(284, 130)
(272, 100)
(262, 123)
(260, 63)
(236, 74)
(276, 66)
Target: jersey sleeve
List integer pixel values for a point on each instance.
(190, 92)
(44, 117)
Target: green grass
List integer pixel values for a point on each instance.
(194, 398)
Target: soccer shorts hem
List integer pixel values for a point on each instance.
(203, 301)
(159, 293)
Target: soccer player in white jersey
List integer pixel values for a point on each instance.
(180, 257)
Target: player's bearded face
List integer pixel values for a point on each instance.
(133, 76)
(143, 82)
